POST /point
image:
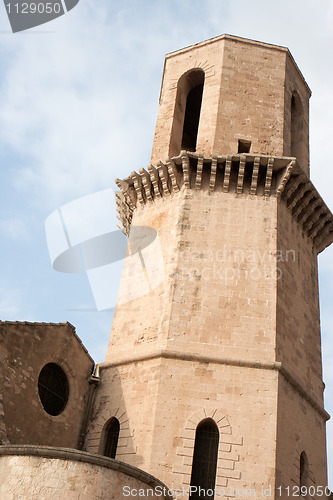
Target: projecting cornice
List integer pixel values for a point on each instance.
(241, 174)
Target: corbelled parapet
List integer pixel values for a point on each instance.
(242, 174)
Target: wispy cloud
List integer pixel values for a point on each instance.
(80, 106)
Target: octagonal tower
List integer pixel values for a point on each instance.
(214, 370)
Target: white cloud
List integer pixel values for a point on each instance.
(69, 107)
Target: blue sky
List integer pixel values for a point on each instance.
(79, 100)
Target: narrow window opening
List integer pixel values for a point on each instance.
(111, 438)
(244, 146)
(303, 473)
(204, 461)
(296, 127)
(192, 117)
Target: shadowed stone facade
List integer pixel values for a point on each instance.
(25, 348)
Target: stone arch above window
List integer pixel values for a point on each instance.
(205, 453)
(303, 470)
(228, 449)
(95, 435)
(110, 437)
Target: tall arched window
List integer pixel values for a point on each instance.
(303, 472)
(297, 123)
(111, 436)
(187, 112)
(205, 460)
(192, 116)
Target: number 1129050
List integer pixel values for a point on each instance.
(34, 8)
(304, 491)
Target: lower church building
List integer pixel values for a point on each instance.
(212, 383)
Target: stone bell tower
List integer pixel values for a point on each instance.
(214, 370)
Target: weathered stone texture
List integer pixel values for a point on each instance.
(215, 334)
(232, 331)
(247, 95)
(299, 428)
(25, 348)
(295, 85)
(167, 401)
(34, 474)
(298, 323)
(230, 273)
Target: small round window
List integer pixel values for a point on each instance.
(53, 389)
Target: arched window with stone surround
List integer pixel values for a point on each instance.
(111, 436)
(187, 112)
(205, 459)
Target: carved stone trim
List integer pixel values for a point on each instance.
(164, 176)
(186, 169)
(153, 172)
(228, 456)
(269, 174)
(303, 204)
(314, 203)
(255, 173)
(227, 172)
(260, 365)
(147, 183)
(172, 172)
(296, 196)
(243, 174)
(241, 171)
(95, 437)
(212, 179)
(198, 179)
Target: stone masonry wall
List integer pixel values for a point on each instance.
(55, 474)
(219, 289)
(160, 402)
(25, 348)
(298, 325)
(247, 95)
(294, 83)
(251, 103)
(300, 428)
